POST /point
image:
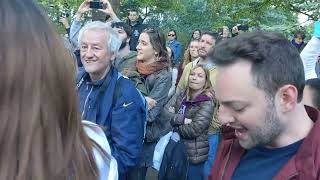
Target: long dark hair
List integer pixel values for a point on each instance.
(41, 134)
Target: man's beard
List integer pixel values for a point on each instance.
(123, 44)
(267, 132)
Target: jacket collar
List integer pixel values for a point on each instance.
(302, 164)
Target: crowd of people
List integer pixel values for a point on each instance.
(115, 100)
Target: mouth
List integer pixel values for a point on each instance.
(241, 132)
(90, 61)
(201, 50)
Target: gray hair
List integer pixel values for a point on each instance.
(113, 40)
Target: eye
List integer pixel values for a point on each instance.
(84, 47)
(96, 48)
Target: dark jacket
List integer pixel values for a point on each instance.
(127, 67)
(174, 165)
(123, 119)
(135, 33)
(195, 135)
(157, 85)
(305, 164)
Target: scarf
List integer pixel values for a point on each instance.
(147, 69)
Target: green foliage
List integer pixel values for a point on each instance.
(188, 15)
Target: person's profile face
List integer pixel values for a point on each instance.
(145, 50)
(246, 108)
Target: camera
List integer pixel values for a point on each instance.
(96, 5)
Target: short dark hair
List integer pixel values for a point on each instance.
(123, 26)
(296, 34)
(215, 35)
(275, 62)
(314, 85)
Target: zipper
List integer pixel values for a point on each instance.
(291, 176)
(85, 103)
(228, 161)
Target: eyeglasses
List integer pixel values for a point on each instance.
(171, 35)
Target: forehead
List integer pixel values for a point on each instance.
(198, 70)
(207, 37)
(171, 32)
(133, 13)
(235, 83)
(144, 37)
(94, 36)
(194, 43)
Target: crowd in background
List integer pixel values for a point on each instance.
(116, 100)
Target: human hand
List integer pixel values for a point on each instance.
(187, 121)
(151, 102)
(64, 21)
(107, 8)
(84, 7)
(171, 109)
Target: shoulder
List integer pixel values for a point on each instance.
(128, 90)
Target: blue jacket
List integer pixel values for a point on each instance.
(123, 119)
(176, 48)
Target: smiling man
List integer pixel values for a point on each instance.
(107, 98)
(268, 132)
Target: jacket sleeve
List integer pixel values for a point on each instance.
(160, 94)
(127, 128)
(183, 82)
(200, 121)
(74, 31)
(175, 119)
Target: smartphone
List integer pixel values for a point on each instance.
(96, 5)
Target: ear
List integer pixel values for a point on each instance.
(113, 56)
(288, 97)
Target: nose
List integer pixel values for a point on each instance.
(138, 47)
(88, 53)
(224, 116)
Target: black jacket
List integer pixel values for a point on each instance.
(136, 30)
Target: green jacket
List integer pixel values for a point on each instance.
(127, 67)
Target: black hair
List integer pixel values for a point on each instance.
(275, 62)
(175, 33)
(215, 35)
(123, 26)
(296, 34)
(314, 85)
